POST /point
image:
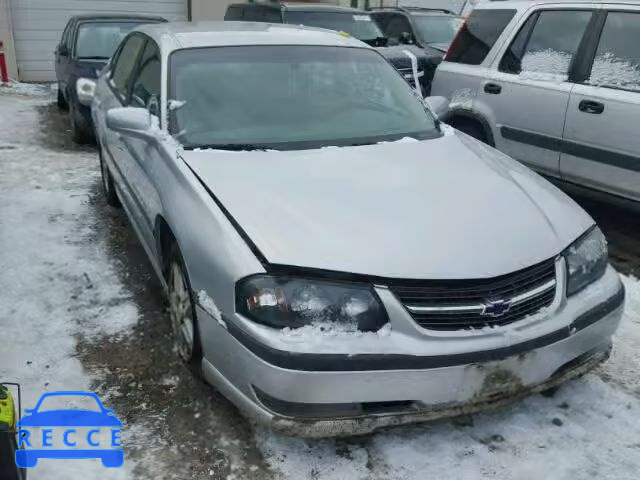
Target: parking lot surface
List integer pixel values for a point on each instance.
(84, 312)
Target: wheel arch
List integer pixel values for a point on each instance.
(466, 116)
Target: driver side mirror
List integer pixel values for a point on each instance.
(406, 38)
(439, 106)
(131, 122)
(63, 51)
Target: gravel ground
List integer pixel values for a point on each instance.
(70, 263)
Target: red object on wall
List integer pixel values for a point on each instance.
(3, 65)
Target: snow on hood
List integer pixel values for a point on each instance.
(445, 208)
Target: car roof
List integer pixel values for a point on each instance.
(303, 6)
(178, 35)
(118, 16)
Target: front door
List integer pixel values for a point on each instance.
(529, 91)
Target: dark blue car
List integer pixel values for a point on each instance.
(87, 43)
(71, 418)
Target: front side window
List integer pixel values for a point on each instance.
(291, 97)
(359, 25)
(617, 60)
(98, 40)
(477, 36)
(437, 29)
(546, 45)
(126, 62)
(145, 87)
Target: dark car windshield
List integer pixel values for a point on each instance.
(98, 40)
(437, 28)
(291, 97)
(358, 25)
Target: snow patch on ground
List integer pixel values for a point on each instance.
(30, 89)
(209, 306)
(589, 429)
(58, 283)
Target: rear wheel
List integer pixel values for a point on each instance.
(182, 312)
(108, 187)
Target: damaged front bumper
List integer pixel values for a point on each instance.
(325, 394)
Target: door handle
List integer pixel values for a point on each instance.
(493, 88)
(589, 106)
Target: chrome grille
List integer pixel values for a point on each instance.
(463, 304)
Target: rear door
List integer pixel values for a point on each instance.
(601, 147)
(527, 93)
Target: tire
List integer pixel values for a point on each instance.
(79, 134)
(473, 130)
(182, 311)
(61, 102)
(108, 187)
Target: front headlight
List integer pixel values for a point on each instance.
(85, 90)
(586, 260)
(295, 302)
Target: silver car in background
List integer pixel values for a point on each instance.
(555, 85)
(336, 259)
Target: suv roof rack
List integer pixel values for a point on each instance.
(414, 9)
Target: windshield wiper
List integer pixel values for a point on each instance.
(94, 57)
(234, 147)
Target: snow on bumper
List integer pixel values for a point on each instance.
(334, 401)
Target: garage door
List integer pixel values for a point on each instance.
(38, 25)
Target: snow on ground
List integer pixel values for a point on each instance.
(56, 283)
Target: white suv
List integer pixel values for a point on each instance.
(555, 85)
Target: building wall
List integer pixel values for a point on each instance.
(6, 36)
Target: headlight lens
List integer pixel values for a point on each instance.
(295, 302)
(586, 260)
(85, 89)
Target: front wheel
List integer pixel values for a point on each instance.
(182, 311)
(61, 102)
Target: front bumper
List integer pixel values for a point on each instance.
(328, 394)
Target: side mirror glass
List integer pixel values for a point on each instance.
(439, 106)
(131, 122)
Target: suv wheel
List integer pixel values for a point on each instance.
(472, 129)
(61, 102)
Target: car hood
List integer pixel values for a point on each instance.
(89, 68)
(397, 56)
(444, 208)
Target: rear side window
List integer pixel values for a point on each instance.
(478, 35)
(547, 44)
(617, 60)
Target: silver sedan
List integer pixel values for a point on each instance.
(336, 258)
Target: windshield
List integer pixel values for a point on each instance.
(98, 40)
(357, 25)
(437, 29)
(291, 97)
